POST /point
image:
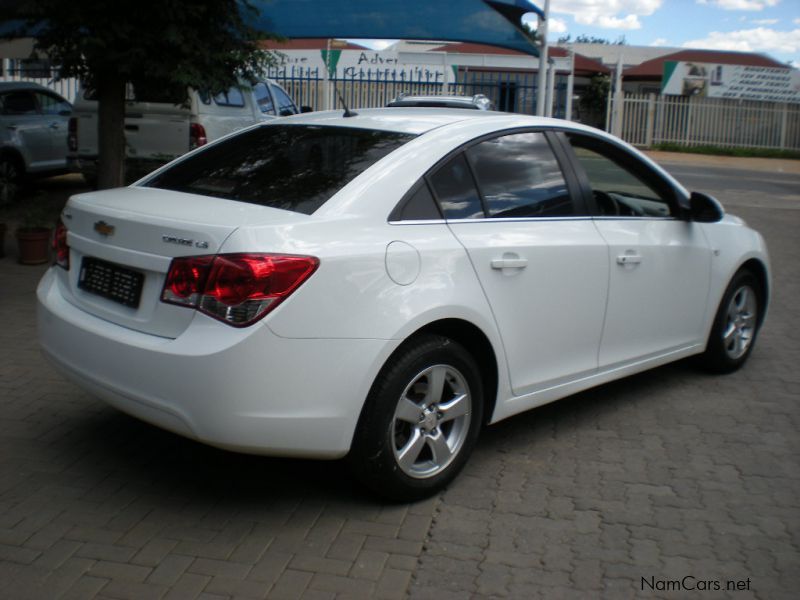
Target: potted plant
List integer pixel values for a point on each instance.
(33, 233)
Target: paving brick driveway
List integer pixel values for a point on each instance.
(642, 482)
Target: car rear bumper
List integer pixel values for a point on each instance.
(247, 390)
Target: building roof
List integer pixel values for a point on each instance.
(654, 69)
(583, 64)
(309, 44)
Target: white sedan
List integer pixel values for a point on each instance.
(382, 285)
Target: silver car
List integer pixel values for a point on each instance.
(476, 102)
(33, 134)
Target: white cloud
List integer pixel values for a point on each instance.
(741, 4)
(796, 21)
(660, 42)
(608, 14)
(555, 25)
(760, 39)
(765, 21)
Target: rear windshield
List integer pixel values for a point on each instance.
(293, 167)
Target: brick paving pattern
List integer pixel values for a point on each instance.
(666, 474)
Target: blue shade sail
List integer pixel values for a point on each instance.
(493, 22)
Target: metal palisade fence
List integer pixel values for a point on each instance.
(366, 88)
(648, 119)
(67, 88)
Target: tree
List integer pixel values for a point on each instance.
(158, 46)
(594, 101)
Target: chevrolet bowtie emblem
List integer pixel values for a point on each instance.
(104, 228)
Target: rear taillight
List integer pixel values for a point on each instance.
(237, 289)
(72, 134)
(60, 247)
(197, 136)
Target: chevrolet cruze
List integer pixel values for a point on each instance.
(382, 285)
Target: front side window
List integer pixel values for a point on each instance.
(519, 176)
(620, 185)
(18, 103)
(292, 167)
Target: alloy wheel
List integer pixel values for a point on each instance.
(431, 421)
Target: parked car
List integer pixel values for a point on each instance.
(33, 134)
(157, 131)
(381, 286)
(476, 102)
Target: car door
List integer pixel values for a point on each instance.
(55, 113)
(660, 262)
(27, 129)
(540, 260)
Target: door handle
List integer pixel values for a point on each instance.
(629, 259)
(53, 125)
(509, 263)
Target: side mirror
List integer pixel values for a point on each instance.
(704, 208)
(306, 109)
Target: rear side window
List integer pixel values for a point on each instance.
(286, 106)
(50, 104)
(263, 98)
(455, 190)
(519, 176)
(293, 167)
(232, 97)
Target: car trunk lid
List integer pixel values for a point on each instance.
(122, 242)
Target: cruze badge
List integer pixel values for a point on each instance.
(171, 239)
(104, 228)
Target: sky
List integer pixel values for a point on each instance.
(767, 26)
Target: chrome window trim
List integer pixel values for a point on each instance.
(491, 220)
(531, 219)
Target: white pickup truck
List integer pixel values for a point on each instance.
(157, 132)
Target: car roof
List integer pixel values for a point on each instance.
(22, 85)
(454, 122)
(411, 120)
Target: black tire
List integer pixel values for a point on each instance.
(439, 379)
(10, 179)
(736, 325)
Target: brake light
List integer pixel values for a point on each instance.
(197, 136)
(237, 289)
(72, 134)
(60, 247)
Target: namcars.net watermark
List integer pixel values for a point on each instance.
(690, 583)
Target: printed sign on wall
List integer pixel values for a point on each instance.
(731, 81)
(361, 63)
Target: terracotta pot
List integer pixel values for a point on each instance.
(3, 239)
(34, 245)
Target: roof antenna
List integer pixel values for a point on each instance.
(347, 111)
